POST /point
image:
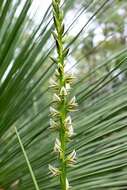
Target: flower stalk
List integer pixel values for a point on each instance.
(60, 120)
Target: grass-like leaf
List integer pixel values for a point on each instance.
(27, 160)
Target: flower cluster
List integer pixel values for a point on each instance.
(62, 103)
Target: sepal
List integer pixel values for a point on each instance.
(53, 60)
(55, 6)
(72, 105)
(57, 146)
(63, 91)
(68, 87)
(69, 78)
(53, 84)
(65, 52)
(62, 29)
(56, 22)
(57, 74)
(53, 125)
(71, 158)
(68, 127)
(55, 171)
(60, 67)
(61, 16)
(67, 185)
(54, 112)
(56, 98)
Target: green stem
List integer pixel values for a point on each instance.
(60, 49)
(62, 136)
(63, 146)
(62, 162)
(62, 119)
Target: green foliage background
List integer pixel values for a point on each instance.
(100, 88)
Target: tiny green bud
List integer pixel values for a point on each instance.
(61, 16)
(56, 22)
(60, 67)
(62, 29)
(54, 35)
(57, 1)
(65, 52)
(55, 6)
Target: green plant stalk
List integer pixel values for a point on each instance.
(27, 160)
(63, 146)
(63, 175)
(60, 114)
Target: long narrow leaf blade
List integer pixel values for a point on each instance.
(27, 160)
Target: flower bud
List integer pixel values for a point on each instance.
(60, 66)
(61, 15)
(57, 1)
